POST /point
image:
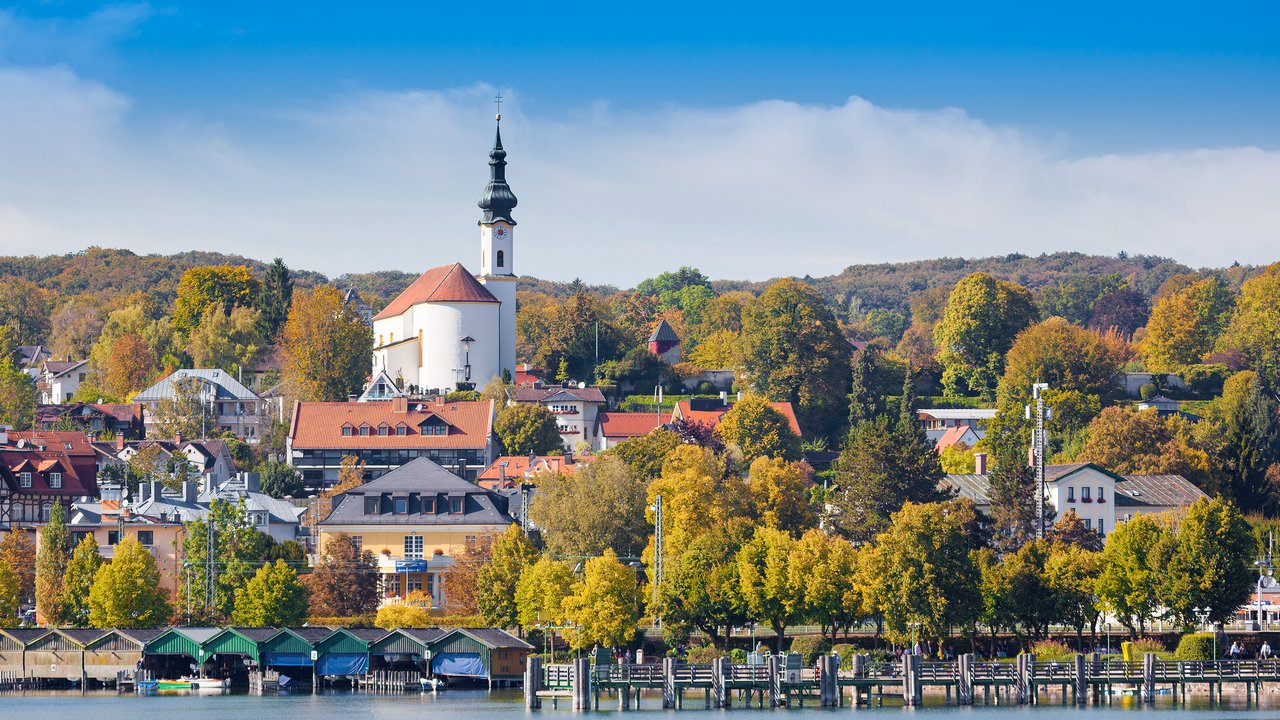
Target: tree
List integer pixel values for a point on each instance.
(701, 588)
(51, 566)
(1254, 329)
(239, 549)
(1072, 573)
(883, 464)
(81, 571)
(780, 493)
(792, 351)
(230, 341)
(1185, 324)
(325, 346)
(759, 430)
(1142, 443)
(24, 307)
(1125, 310)
(1068, 357)
(218, 287)
(130, 365)
(344, 582)
(463, 576)
(512, 555)
(75, 327)
(126, 592)
(10, 595)
(716, 351)
(1129, 584)
(605, 606)
(281, 480)
(275, 299)
(1249, 443)
(958, 459)
(768, 592)
(919, 574)
(1025, 600)
(272, 598)
(1070, 530)
(645, 454)
(541, 591)
(17, 389)
(673, 282)
(697, 495)
(982, 318)
(599, 505)
(527, 429)
(188, 413)
(825, 568)
(864, 402)
(18, 552)
(1210, 563)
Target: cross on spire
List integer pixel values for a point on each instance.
(498, 101)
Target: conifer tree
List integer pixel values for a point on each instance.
(276, 297)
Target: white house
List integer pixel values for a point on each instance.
(937, 421)
(450, 329)
(575, 410)
(60, 380)
(234, 407)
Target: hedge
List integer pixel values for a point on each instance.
(1196, 646)
(809, 647)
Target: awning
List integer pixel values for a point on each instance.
(342, 664)
(283, 659)
(458, 664)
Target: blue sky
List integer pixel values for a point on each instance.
(1094, 126)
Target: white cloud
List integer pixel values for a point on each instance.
(383, 180)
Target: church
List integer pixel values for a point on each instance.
(451, 329)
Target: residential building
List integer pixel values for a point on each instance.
(210, 460)
(615, 427)
(937, 421)
(386, 435)
(39, 470)
(574, 408)
(30, 358)
(708, 411)
(235, 408)
(415, 520)
(450, 329)
(381, 387)
(508, 471)
(96, 419)
(280, 519)
(1100, 497)
(60, 380)
(966, 435)
(664, 343)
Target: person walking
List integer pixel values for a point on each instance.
(1265, 652)
(1234, 652)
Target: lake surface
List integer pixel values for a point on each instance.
(507, 705)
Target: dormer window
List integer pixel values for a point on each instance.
(348, 430)
(428, 506)
(402, 506)
(402, 430)
(365, 430)
(24, 479)
(455, 506)
(384, 430)
(372, 505)
(55, 480)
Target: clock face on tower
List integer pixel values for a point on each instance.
(500, 232)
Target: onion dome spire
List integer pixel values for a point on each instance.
(498, 200)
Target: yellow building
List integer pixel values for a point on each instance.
(415, 520)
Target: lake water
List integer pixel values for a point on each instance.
(506, 705)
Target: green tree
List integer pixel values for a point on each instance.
(527, 429)
(1072, 575)
(81, 571)
(126, 592)
(541, 592)
(1129, 584)
(18, 393)
(599, 505)
(884, 463)
(1249, 443)
(758, 430)
(344, 582)
(768, 592)
(1025, 599)
(825, 568)
(220, 287)
(512, 555)
(982, 318)
(24, 307)
(10, 594)
(605, 605)
(239, 550)
(1185, 324)
(280, 480)
(229, 341)
(645, 454)
(273, 597)
(792, 351)
(275, 299)
(325, 346)
(1210, 563)
(51, 567)
(673, 282)
(701, 589)
(780, 492)
(864, 402)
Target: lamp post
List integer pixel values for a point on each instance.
(1202, 614)
(466, 363)
(658, 552)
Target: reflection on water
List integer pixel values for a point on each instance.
(507, 705)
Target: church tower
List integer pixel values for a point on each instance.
(497, 257)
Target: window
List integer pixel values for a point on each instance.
(364, 431)
(113, 537)
(1100, 532)
(1088, 523)
(412, 547)
(24, 479)
(1084, 494)
(383, 431)
(501, 256)
(402, 430)
(372, 505)
(428, 506)
(45, 511)
(402, 506)
(147, 537)
(55, 480)
(357, 541)
(413, 582)
(1071, 494)
(392, 584)
(1101, 495)
(346, 431)
(455, 505)
(431, 585)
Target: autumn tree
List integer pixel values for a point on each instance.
(344, 582)
(51, 566)
(325, 346)
(75, 325)
(1185, 324)
(983, 316)
(17, 390)
(527, 429)
(24, 307)
(825, 567)
(463, 576)
(759, 430)
(1071, 573)
(597, 506)
(1125, 310)
(768, 591)
(496, 582)
(10, 595)
(81, 570)
(1070, 530)
(697, 495)
(218, 287)
(188, 412)
(541, 591)
(126, 592)
(130, 366)
(792, 351)
(716, 351)
(645, 454)
(1128, 442)
(605, 606)
(701, 588)
(229, 341)
(1067, 357)
(780, 493)
(1254, 328)
(273, 597)
(18, 552)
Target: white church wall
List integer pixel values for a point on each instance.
(444, 325)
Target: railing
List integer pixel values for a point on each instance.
(559, 676)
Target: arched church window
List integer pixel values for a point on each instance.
(501, 256)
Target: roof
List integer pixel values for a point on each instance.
(141, 635)
(1156, 491)
(420, 478)
(447, 283)
(318, 425)
(82, 636)
(519, 465)
(952, 436)
(956, 413)
(311, 633)
(664, 333)
(970, 487)
(25, 636)
(553, 394)
(256, 634)
(498, 201)
(41, 462)
(226, 387)
(626, 424)
(711, 416)
(493, 638)
(57, 367)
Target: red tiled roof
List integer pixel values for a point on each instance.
(318, 425)
(447, 283)
(74, 483)
(518, 465)
(712, 417)
(624, 424)
(952, 436)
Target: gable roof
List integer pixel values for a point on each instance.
(56, 367)
(663, 333)
(447, 283)
(519, 466)
(568, 394)
(388, 385)
(225, 386)
(1156, 491)
(952, 436)
(492, 638)
(711, 416)
(627, 424)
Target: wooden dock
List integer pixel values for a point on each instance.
(778, 682)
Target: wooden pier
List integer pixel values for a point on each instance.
(778, 681)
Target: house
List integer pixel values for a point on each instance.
(528, 375)
(615, 427)
(351, 297)
(1165, 407)
(278, 518)
(965, 435)
(937, 421)
(123, 419)
(415, 520)
(210, 460)
(235, 408)
(708, 411)
(664, 343)
(381, 387)
(39, 470)
(60, 380)
(574, 408)
(505, 472)
(1101, 498)
(30, 358)
(386, 435)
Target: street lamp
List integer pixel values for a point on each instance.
(1265, 579)
(1202, 614)
(658, 552)
(466, 365)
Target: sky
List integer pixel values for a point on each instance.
(748, 140)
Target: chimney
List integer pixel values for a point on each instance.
(177, 438)
(739, 396)
(119, 442)
(400, 405)
(980, 463)
(190, 491)
(251, 482)
(206, 483)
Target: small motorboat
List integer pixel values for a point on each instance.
(431, 684)
(190, 683)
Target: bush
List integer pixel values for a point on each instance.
(739, 656)
(1147, 391)
(809, 647)
(1133, 651)
(1196, 646)
(359, 621)
(703, 654)
(846, 653)
(706, 388)
(403, 616)
(1052, 651)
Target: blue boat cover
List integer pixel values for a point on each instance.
(342, 664)
(458, 664)
(287, 659)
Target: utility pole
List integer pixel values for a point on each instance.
(211, 571)
(657, 553)
(1038, 443)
